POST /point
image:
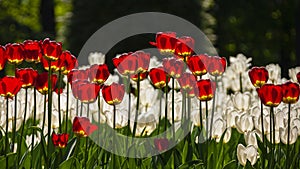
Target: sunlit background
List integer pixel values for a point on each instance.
(265, 30)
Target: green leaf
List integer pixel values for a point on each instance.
(230, 165)
(11, 160)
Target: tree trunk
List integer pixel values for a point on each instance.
(47, 18)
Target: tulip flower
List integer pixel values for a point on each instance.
(27, 76)
(85, 91)
(14, 53)
(290, 92)
(10, 86)
(161, 144)
(142, 76)
(174, 67)
(270, 94)
(187, 81)
(206, 89)
(41, 82)
(32, 51)
(143, 60)
(126, 64)
(51, 49)
(196, 64)
(247, 153)
(216, 65)
(66, 62)
(184, 47)
(3, 57)
(113, 94)
(165, 42)
(258, 76)
(76, 74)
(159, 77)
(82, 127)
(60, 140)
(98, 73)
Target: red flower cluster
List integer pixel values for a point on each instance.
(132, 64)
(258, 76)
(82, 127)
(270, 94)
(206, 89)
(159, 77)
(60, 140)
(168, 44)
(113, 94)
(10, 86)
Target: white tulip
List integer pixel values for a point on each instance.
(250, 138)
(241, 101)
(96, 58)
(284, 135)
(244, 123)
(293, 73)
(247, 153)
(274, 73)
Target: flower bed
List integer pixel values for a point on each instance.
(177, 110)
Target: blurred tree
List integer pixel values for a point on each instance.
(89, 17)
(264, 30)
(47, 18)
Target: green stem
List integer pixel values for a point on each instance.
(33, 130)
(137, 105)
(23, 125)
(114, 127)
(14, 125)
(49, 108)
(271, 138)
(59, 110)
(241, 83)
(67, 109)
(207, 139)
(213, 108)
(44, 114)
(166, 108)
(173, 109)
(159, 116)
(77, 107)
(262, 132)
(6, 134)
(288, 138)
(129, 110)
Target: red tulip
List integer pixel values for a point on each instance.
(174, 67)
(159, 77)
(290, 92)
(187, 81)
(215, 65)
(41, 82)
(76, 74)
(161, 144)
(14, 53)
(98, 73)
(258, 76)
(85, 91)
(298, 77)
(27, 76)
(113, 94)
(196, 64)
(51, 49)
(184, 47)
(126, 64)
(10, 86)
(60, 140)
(142, 76)
(32, 51)
(270, 94)
(67, 62)
(45, 62)
(82, 127)
(165, 42)
(143, 60)
(3, 57)
(206, 89)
